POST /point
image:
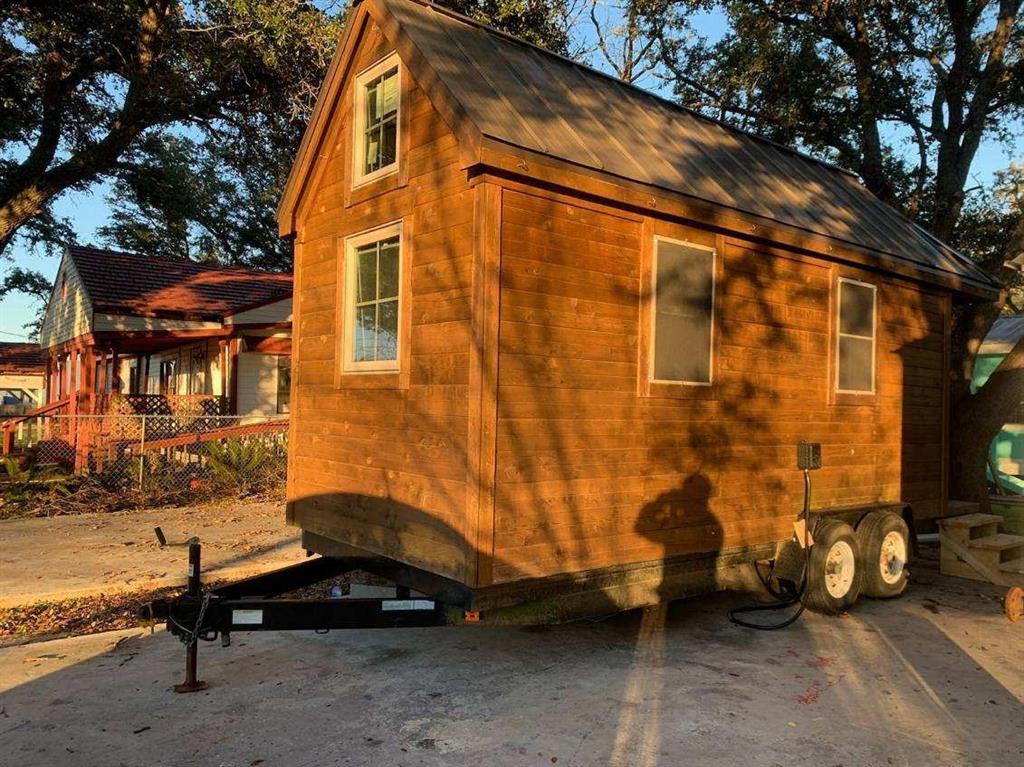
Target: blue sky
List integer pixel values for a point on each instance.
(88, 211)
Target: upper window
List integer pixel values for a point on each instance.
(373, 268)
(855, 345)
(682, 315)
(377, 109)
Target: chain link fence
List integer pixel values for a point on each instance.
(153, 458)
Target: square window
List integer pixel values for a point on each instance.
(372, 302)
(377, 112)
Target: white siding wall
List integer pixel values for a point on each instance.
(67, 316)
(279, 311)
(257, 384)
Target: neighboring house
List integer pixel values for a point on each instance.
(22, 375)
(549, 325)
(1008, 448)
(131, 333)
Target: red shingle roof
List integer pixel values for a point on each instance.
(125, 283)
(21, 359)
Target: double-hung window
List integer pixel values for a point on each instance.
(377, 111)
(373, 269)
(682, 313)
(855, 337)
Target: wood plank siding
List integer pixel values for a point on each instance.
(521, 435)
(379, 460)
(594, 472)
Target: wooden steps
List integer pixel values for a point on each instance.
(1013, 566)
(973, 547)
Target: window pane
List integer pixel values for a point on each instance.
(389, 93)
(365, 333)
(371, 159)
(856, 309)
(855, 364)
(683, 307)
(389, 269)
(366, 278)
(388, 141)
(387, 332)
(373, 103)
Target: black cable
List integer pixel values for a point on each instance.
(786, 602)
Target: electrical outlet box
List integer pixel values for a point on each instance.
(808, 455)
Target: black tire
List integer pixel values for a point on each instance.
(831, 586)
(883, 579)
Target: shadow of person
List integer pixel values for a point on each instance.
(687, 533)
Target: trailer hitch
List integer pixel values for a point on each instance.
(255, 604)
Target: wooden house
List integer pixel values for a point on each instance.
(548, 324)
(127, 335)
(126, 331)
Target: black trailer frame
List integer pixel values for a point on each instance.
(254, 604)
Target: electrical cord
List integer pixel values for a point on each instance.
(781, 602)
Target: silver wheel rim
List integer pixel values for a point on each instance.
(840, 566)
(892, 557)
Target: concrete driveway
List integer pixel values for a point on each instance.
(935, 678)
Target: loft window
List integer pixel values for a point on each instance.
(855, 343)
(373, 268)
(682, 312)
(377, 109)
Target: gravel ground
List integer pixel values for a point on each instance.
(934, 678)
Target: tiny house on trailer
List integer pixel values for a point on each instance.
(554, 333)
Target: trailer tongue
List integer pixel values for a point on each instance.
(255, 604)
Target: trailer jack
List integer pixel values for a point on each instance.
(254, 604)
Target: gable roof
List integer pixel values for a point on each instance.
(147, 286)
(491, 86)
(21, 359)
(1003, 335)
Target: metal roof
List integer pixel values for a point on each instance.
(527, 97)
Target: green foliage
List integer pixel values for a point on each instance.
(541, 22)
(245, 465)
(92, 90)
(21, 483)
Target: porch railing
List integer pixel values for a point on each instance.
(162, 404)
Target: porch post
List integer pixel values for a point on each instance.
(48, 393)
(88, 373)
(101, 374)
(222, 366)
(144, 387)
(233, 376)
(115, 372)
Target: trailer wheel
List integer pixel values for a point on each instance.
(833, 568)
(884, 541)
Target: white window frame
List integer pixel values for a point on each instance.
(349, 364)
(359, 121)
(840, 334)
(654, 313)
